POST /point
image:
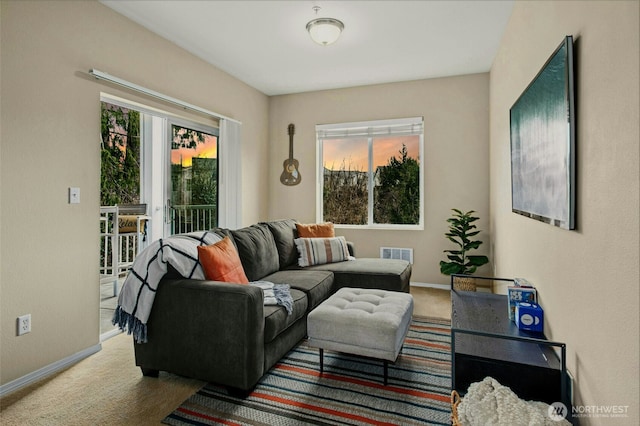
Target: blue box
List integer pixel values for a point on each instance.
(517, 294)
(530, 317)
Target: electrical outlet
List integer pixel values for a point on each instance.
(24, 324)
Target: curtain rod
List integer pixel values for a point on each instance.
(124, 83)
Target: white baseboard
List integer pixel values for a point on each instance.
(109, 334)
(430, 285)
(48, 370)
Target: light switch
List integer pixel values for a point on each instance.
(74, 195)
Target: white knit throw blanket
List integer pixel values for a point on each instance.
(139, 288)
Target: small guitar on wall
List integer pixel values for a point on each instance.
(290, 175)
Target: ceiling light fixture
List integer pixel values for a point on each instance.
(324, 31)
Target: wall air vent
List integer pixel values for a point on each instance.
(397, 253)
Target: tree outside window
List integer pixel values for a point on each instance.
(120, 155)
(397, 191)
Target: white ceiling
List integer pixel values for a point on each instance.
(265, 43)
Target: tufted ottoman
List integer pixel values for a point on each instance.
(366, 322)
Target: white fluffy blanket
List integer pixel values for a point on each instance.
(490, 403)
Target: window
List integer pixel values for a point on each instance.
(370, 174)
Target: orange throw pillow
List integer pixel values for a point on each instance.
(316, 230)
(221, 262)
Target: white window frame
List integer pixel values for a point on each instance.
(369, 130)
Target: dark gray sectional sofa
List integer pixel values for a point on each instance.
(222, 333)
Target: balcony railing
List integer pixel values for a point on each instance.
(186, 218)
(118, 249)
(122, 235)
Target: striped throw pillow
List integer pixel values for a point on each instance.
(318, 251)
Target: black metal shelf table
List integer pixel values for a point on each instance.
(485, 342)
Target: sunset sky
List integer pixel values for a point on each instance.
(354, 152)
(208, 149)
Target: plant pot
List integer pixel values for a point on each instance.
(464, 283)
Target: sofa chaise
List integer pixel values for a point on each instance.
(223, 333)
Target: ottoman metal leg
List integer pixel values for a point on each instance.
(386, 371)
(386, 366)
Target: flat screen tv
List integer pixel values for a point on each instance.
(543, 119)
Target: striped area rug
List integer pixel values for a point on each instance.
(350, 391)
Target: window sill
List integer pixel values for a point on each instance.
(385, 227)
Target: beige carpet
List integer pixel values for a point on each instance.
(104, 389)
(108, 389)
(431, 302)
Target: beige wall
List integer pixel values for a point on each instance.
(50, 141)
(456, 135)
(587, 278)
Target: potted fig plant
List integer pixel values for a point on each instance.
(461, 232)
